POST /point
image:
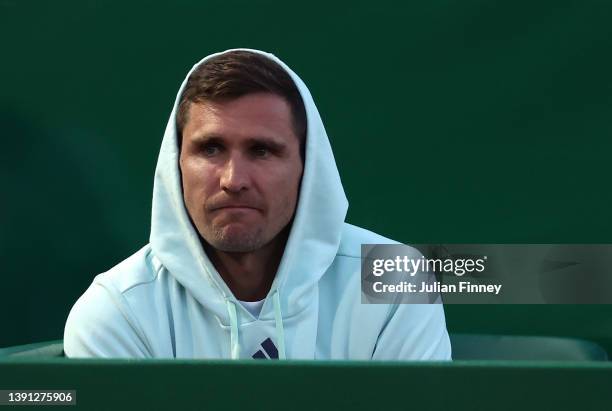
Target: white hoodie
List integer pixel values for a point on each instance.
(168, 300)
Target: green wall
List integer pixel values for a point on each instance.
(451, 121)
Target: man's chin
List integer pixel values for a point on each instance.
(233, 240)
(235, 247)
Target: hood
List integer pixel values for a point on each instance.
(313, 241)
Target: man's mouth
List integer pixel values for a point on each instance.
(236, 207)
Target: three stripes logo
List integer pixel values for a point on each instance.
(268, 351)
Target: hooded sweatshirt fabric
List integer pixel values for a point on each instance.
(168, 300)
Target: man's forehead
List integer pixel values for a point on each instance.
(258, 114)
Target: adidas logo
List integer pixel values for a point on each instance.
(268, 351)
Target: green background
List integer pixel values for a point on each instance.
(451, 121)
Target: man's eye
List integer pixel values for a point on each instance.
(260, 151)
(211, 149)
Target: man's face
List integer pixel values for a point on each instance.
(241, 170)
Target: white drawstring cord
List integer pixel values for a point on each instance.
(280, 332)
(233, 317)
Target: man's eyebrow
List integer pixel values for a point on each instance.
(272, 143)
(207, 138)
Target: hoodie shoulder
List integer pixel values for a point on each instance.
(138, 269)
(400, 331)
(101, 322)
(353, 237)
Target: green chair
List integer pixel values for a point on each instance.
(44, 349)
(525, 348)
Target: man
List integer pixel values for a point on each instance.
(249, 254)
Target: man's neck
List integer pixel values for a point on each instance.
(249, 275)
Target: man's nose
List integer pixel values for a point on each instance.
(235, 175)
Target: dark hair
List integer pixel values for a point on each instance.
(235, 74)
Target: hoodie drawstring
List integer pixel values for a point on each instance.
(280, 332)
(234, 345)
(278, 318)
